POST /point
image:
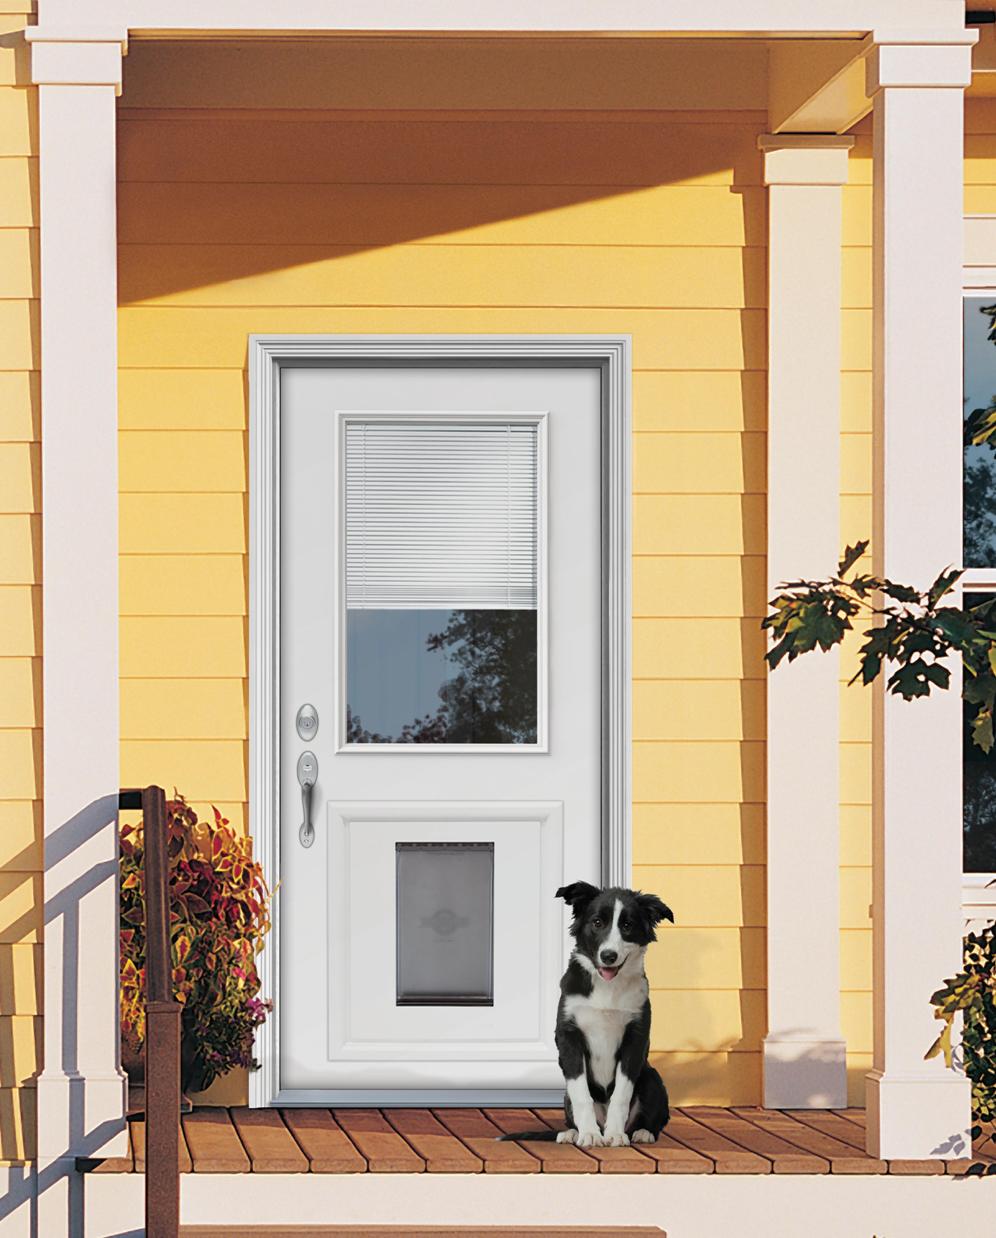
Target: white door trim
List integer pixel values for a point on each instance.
(267, 354)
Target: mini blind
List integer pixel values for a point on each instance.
(441, 514)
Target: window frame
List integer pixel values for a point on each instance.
(540, 419)
(978, 889)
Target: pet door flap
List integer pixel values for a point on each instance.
(445, 917)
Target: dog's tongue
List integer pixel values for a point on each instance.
(608, 973)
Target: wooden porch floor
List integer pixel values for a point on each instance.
(698, 1140)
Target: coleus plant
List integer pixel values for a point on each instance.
(219, 914)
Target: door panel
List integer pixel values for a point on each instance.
(440, 602)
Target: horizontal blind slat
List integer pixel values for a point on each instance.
(441, 515)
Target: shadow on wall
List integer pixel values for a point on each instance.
(210, 194)
(710, 1078)
(81, 845)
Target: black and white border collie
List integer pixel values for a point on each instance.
(614, 1096)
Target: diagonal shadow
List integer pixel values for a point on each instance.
(64, 908)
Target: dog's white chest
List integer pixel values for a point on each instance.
(602, 1018)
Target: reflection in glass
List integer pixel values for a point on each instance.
(980, 462)
(445, 938)
(979, 793)
(441, 677)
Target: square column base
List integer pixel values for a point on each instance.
(804, 1073)
(918, 1117)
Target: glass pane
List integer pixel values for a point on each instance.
(980, 462)
(441, 676)
(979, 793)
(445, 906)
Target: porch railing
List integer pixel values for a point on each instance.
(162, 1025)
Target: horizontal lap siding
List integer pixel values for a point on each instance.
(231, 225)
(20, 602)
(855, 701)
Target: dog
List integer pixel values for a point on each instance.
(614, 1096)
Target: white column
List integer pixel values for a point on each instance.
(81, 1091)
(804, 1054)
(916, 1108)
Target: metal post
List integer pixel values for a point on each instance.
(162, 1033)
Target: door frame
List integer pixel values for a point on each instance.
(268, 354)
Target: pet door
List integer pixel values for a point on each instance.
(445, 916)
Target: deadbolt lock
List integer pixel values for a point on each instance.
(307, 722)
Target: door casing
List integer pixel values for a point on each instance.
(267, 354)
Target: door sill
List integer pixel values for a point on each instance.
(467, 1098)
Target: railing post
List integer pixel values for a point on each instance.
(162, 1033)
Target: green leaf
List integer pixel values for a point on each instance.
(851, 555)
(982, 729)
(910, 681)
(944, 583)
(898, 593)
(955, 626)
(980, 426)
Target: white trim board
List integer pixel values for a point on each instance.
(760, 17)
(685, 1205)
(267, 354)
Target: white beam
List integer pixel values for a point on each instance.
(759, 17)
(81, 1091)
(804, 1053)
(916, 1108)
(816, 86)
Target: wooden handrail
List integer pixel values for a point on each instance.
(162, 1025)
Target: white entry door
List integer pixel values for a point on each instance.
(440, 689)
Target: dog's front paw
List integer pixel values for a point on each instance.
(615, 1139)
(568, 1136)
(590, 1139)
(642, 1136)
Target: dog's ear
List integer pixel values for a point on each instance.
(577, 895)
(654, 910)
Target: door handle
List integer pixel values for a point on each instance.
(307, 776)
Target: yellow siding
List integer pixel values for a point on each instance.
(493, 225)
(855, 701)
(20, 602)
(238, 222)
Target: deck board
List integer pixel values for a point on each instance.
(137, 1129)
(384, 1150)
(442, 1152)
(272, 1149)
(699, 1139)
(843, 1157)
(785, 1157)
(323, 1141)
(610, 1160)
(117, 1164)
(427, 1231)
(480, 1135)
(214, 1143)
(726, 1156)
(672, 1157)
(555, 1158)
(848, 1132)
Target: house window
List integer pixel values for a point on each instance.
(979, 583)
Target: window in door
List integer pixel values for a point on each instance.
(442, 580)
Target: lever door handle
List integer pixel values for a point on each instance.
(307, 775)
